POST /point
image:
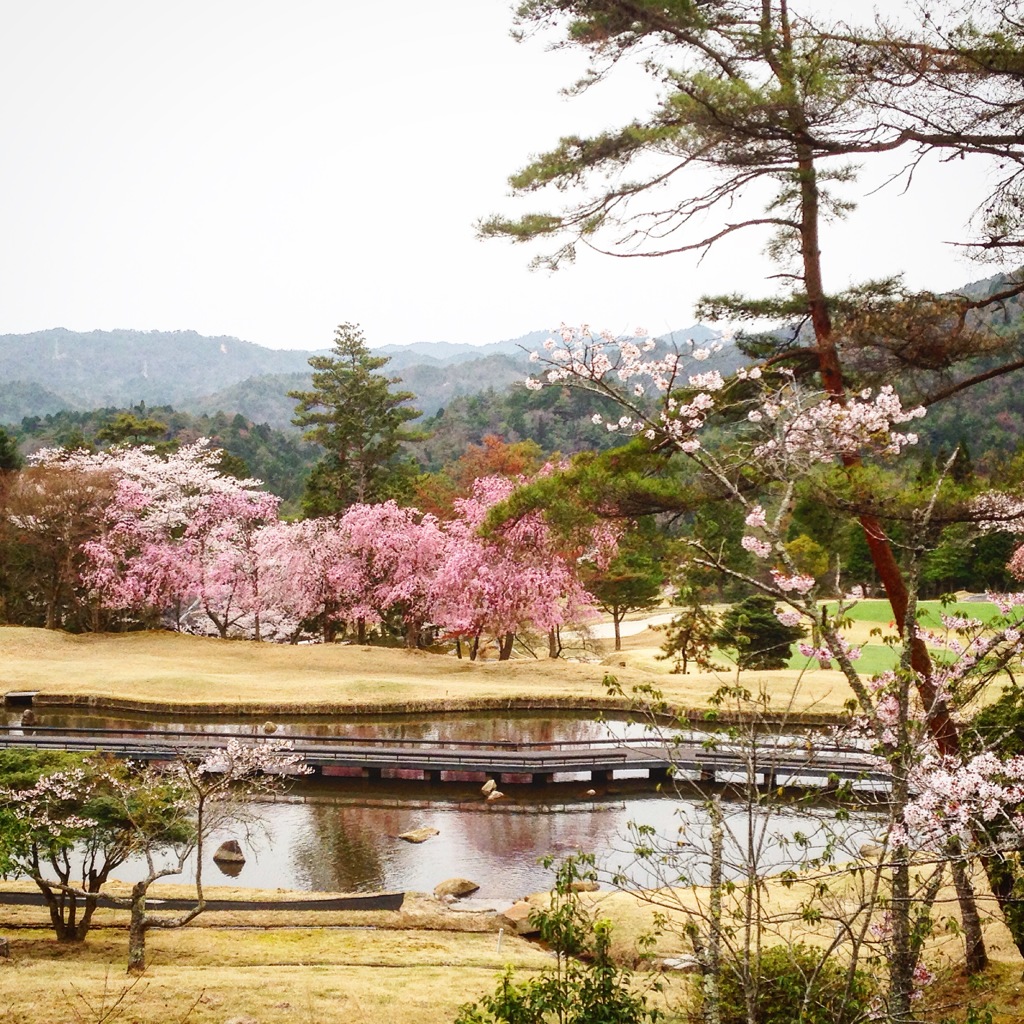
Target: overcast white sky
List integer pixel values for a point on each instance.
(267, 170)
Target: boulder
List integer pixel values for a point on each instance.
(871, 851)
(488, 787)
(495, 794)
(517, 918)
(269, 727)
(230, 852)
(455, 887)
(584, 885)
(685, 963)
(419, 835)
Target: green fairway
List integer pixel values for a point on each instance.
(929, 612)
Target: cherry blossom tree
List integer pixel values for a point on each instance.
(394, 555)
(782, 432)
(176, 530)
(68, 822)
(509, 581)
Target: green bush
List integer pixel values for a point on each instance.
(794, 985)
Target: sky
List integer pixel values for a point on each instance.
(267, 170)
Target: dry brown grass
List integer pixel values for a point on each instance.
(399, 967)
(158, 670)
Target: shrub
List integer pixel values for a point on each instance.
(794, 985)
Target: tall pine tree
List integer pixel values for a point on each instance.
(353, 413)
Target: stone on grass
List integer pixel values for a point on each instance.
(871, 851)
(685, 963)
(455, 887)
(517, 918)
(419, 835)
(230, 852)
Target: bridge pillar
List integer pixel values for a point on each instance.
(542, 778)
(316, 771)
(707, 774)
(771, 780)
(659, 774)
(602, 775)
(432, 774)
(372, 773)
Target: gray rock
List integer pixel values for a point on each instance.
(230, 852)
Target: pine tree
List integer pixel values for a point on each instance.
(355, 416)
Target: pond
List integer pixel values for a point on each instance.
(342, 835)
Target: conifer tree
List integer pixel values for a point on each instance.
(353, 413)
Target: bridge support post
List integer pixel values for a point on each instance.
(432, 775)
(659, 774)
(372, 773)
(316, 771)
(707, 774)
(602, 775)
(542, 778)
(771, 780)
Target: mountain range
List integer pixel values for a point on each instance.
(49, 371)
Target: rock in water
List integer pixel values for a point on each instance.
(455, 887)
(230, 852)
(488, 787)
(419, 835)
(495, 794)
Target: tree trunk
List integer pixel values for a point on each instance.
(505, 647)
(137, 930)
(618, 635)
(940, 723)
(361, 630)
(554, 643)
(976, 959)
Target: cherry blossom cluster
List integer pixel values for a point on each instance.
(951, 796)
(181, 538)
(811, 427)
(50, 805)
(822, 430)
(238, 760)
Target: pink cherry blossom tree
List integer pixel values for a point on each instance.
(508, 581)
(177, 531)
(393, 554)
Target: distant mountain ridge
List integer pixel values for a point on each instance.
(47, 371)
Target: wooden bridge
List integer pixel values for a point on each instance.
(771, 764)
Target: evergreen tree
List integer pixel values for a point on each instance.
(354, 415)
(760, 639)
(9, 456)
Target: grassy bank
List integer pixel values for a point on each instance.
(163, 671)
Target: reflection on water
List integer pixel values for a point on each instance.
(342, 837)
(349, 843)
(478, 726)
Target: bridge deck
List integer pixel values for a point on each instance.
(773, 765)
